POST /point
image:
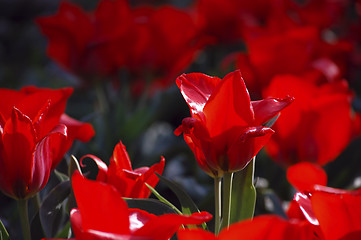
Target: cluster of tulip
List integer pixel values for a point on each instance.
(294, 58)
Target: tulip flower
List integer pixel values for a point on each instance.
(87, 43)
(130, 183)
(34, 136)
(226, 129)
(115, 220)
(336, 212)
(317, 127)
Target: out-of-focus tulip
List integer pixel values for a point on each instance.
(319, 124)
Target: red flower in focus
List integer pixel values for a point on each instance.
(130, 183)
(335, 212)
(88, 43)
(260, 228)
(319, 124)
(34, 138)
(226, 129)
(116, 220)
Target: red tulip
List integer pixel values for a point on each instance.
(335, 212)
(166, 41)
(226, 129)
(130, 183)
(33, 138)
(225, 20)
(319, 124)
(88, 43)
(260, 228)
(115, 220)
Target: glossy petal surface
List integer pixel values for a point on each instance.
(225, 131)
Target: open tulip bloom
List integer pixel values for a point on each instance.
(34, 136)
(226, 129)
(130, 183)
(115, 220)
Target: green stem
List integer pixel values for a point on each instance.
(217, 202)
(36, 202)
(24, 218)
(243, 194)
(102, 98)
(227, 196)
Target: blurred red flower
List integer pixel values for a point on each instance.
(295, 50)
(116, 220)
(88, 43)
(319, 124)
(34, 138)
(226, 129)
(130, 183)
(153, 44)
(165, 42)
(224, 20)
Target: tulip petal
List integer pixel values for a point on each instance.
(169, 224)
(41, 97)
(196, 89)
(120, 159)
(80, 234)
(196, 136)
(195, 233)
(102, 167)
(112, 218)
(304, 203)
(303, 176)
(246, 147)
(48, 153)
(18, 143)
(266, 109)
(268, 227)
(228, 106)
(76, 129)
(140, 190)
(339, 214)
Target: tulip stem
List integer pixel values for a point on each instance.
(36, 202)
(227, 196)
(218, 204)
(24, 218)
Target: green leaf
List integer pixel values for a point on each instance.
(163, 199)
(4, 235)
(61, 176)
(51, 214)
(188, 205)
(65, 233)
(37, 231)
(272, 121)
(150, 205)
(243, 194)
